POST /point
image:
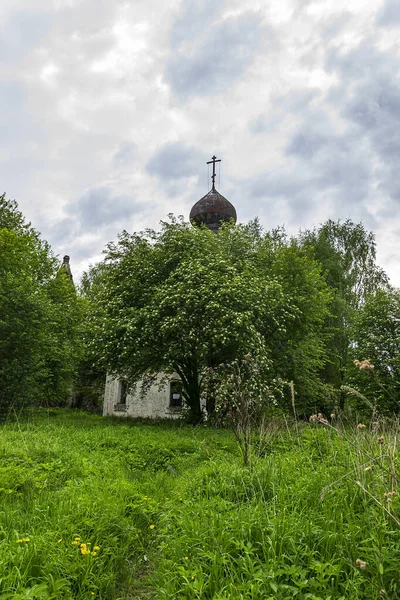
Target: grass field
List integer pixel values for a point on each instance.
(99, 508)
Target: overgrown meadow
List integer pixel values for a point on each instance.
(99, 508)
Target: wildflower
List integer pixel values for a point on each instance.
(322, 419)
(94, 553)
(96, 548)
(84, 549)
(19, 541)
(26, 539)
(368, 469)
(151, 526)
(361, 564)
(186, 558)
(59, 541)
(77, 539)
(389, 496)
(75, 543)
(364, 365)
(380, 440)
(361, 426)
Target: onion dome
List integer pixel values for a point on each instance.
(213, 208)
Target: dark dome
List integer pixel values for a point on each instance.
(212, 209)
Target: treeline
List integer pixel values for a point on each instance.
(314, 311)
(42, 349)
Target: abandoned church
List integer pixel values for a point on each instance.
(164, 399)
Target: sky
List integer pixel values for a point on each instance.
(109, 111)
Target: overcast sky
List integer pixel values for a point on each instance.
(110, 109)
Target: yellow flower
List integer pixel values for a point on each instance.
(60, 540)
(151, 526)
(94, 553)
(96, 548)
(19, 541)
(26, 539)
(77, 539)
(186, 558)
(75, 543)
(84, 549)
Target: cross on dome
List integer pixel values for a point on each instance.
(213, 161)
(213, 209)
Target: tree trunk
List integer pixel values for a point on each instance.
(193, 400)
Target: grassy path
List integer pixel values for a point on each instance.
(98, 508)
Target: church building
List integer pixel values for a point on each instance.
(164, 398)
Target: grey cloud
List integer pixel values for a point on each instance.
(350, 176)
(99, 207)
(125, 154)
(306, 144)
(62, 231)
(98, 211)
(389, 16)
(367, 97)
(175, 161)
(23, 31)
(335, 24)
(194, 17)
(364, 61)
(213, 65)
(262, 124)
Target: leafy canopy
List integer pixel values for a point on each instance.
(184, 299)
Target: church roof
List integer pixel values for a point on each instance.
(212, 209)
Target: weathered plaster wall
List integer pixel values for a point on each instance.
(154, 404)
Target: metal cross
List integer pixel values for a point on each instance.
(213, 161)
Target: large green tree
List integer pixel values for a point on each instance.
(184, 299)
(38, 317)
(346, 252)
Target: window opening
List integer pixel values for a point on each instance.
(175, 394)
(122, 392)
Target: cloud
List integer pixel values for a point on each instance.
(175, 161)
(389, 16)
(100, 207)
(23, 31)
(213, 65)
(107, 105)
(193, 19)
(125, 154)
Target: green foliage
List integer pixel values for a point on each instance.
(376, 334)
(184, 299)
(38, 317)
(347, 254)
(175, 515)
(243, 389)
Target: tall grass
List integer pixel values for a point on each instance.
(175, 515)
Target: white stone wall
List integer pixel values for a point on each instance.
(153, 405)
